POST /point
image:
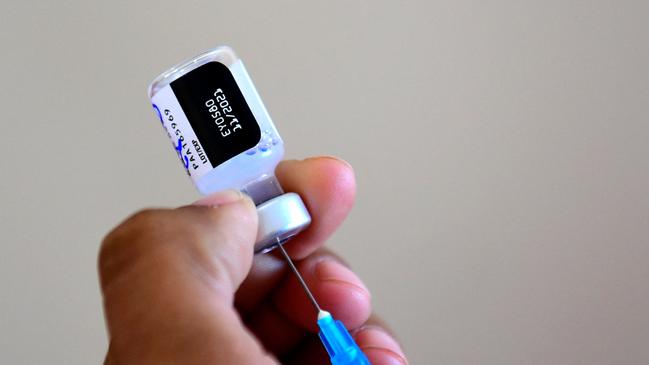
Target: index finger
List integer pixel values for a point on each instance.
(327, 187)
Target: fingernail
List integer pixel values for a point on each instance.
(333, 271)
(221, 198)
(380, 345)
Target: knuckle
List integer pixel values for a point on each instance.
(133, 228)
(166, 241)
(208, 247)
(127, 242)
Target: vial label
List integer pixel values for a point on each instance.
(206, 117)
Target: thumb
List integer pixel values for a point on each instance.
(168, 278)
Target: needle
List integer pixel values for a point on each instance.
(299, 277)
(340, 345)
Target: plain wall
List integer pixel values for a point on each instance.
(501, 151)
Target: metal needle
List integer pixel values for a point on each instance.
(299, 277)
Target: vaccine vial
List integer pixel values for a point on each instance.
(225, 138)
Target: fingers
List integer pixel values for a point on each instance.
(379, 346)
(374, 340)
(168, 278)
(327, 187)
(217, 239)
(286, 318)
(337, 289)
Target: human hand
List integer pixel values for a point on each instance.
(181, 286)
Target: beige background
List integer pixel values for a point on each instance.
(500, 149)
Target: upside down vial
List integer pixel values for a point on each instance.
(225, 138)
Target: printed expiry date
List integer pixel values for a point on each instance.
(221, 111)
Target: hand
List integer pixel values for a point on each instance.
(181, 286)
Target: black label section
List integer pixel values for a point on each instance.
(217, 111)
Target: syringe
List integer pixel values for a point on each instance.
(336, 339)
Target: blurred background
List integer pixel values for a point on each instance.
(500, 149)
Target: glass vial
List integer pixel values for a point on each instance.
(225, 138)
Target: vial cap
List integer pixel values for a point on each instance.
(280, 218)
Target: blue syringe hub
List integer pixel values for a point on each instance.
(338, 342)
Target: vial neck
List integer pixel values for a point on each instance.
(263, 189)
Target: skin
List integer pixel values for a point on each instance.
(182, 286)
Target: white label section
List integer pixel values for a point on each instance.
(180, 132)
